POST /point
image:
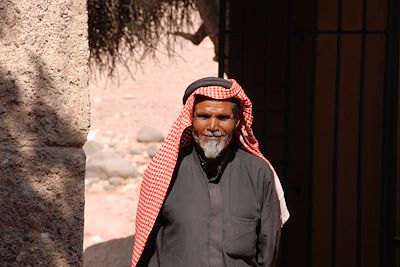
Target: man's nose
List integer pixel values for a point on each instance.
(213, 124)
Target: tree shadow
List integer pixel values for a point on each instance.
(42, 173)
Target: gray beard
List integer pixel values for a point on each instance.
(211, 149)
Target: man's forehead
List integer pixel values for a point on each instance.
(201, 98)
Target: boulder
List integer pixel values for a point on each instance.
(147, 134)
(108, 163)
(152, 150)
(92, 147)
(115, 253)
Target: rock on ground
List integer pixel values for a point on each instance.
(148, 134)
(110, 165)
(115, 253)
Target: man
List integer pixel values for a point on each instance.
(209, 197)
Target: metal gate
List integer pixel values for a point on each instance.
(323, 78)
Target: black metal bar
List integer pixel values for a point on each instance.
(286, 114)
(360, 151)
(336, 128)
(242, 32)
(221, 38)
(287, 86)
(312, 135)
(396, 241)
(388, 189)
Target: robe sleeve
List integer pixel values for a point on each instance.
(269, 232)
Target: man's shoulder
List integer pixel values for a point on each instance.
(249, 158)
(252, 162)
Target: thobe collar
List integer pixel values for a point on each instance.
(221, 162)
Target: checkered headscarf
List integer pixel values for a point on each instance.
(157, 176)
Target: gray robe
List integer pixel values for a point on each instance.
(231, 220)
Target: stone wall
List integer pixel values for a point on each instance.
(44, 120)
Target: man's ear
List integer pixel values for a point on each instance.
(237, 123)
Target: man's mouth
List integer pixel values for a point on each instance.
(210, 138)
(216, 134)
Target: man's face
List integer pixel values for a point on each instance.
(213, 126)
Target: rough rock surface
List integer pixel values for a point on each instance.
(44, 120)
(44, 73)
(41, 207)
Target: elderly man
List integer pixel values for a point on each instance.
(209, 197)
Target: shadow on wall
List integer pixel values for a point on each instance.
(42, 170)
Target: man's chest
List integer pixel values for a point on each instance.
(192, 197)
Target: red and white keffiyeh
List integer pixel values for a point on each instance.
(157, 176)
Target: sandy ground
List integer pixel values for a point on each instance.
(153, 98)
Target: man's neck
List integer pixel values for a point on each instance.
(213, 167)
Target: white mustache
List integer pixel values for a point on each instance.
(214, 133)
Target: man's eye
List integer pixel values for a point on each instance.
(223, 118)
(202, 116)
